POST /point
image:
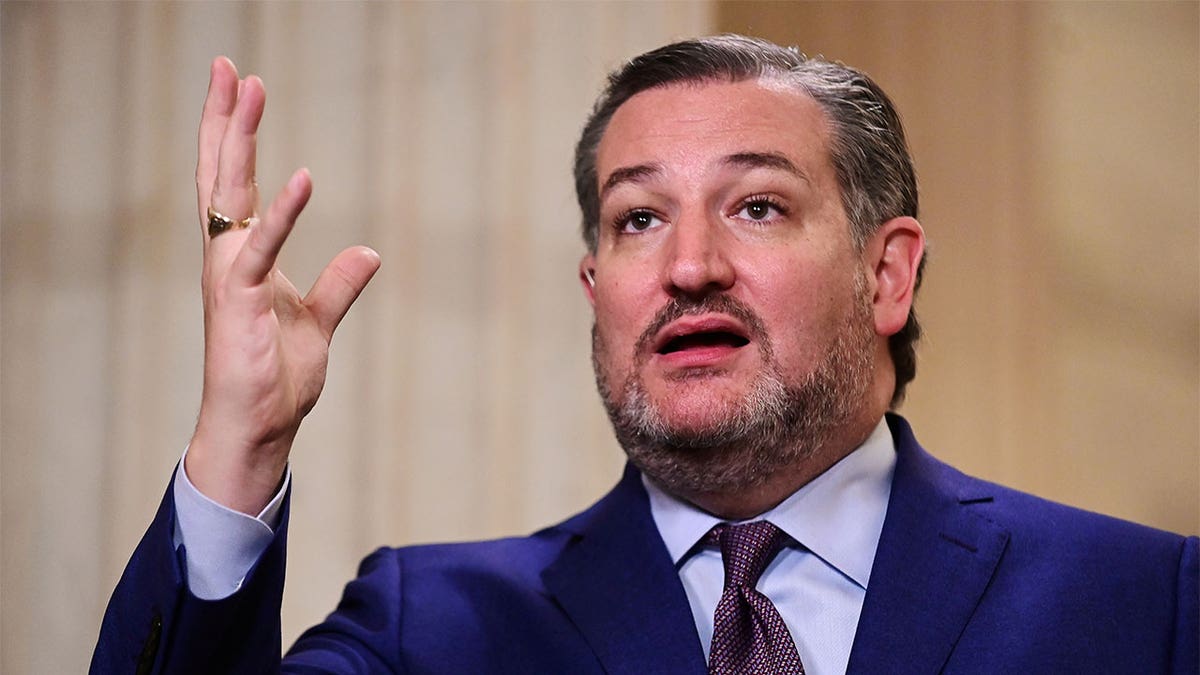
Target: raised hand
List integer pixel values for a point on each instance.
(265, 346)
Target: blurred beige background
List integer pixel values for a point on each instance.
(1057, 145)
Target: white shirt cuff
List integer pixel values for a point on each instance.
(222, 544)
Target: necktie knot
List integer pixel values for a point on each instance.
(749, 635)
(747, 549)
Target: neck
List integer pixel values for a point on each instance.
(749, 501)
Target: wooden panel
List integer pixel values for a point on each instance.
(1057, 153)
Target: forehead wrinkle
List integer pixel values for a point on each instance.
(639, 173)
(765, 160)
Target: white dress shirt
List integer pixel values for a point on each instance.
(817, 585)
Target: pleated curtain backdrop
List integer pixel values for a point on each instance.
(460, 400)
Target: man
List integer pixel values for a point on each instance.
(752, 259)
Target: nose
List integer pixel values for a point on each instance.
(697, 259)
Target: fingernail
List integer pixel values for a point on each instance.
(297, 180)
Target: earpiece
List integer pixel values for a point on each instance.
(590, 274)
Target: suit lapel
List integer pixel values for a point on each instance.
(934, 561)
(618, 585)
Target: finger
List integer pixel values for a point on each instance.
(338, 286)
(256, 258)
(218, 106)
(235, 193)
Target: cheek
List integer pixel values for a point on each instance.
(617, 319)
(626, 299)
(619, 322)
(802, 310)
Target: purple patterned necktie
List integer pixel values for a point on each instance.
(749, 636)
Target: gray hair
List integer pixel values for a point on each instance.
(867, 146)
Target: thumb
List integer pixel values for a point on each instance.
(339, 285)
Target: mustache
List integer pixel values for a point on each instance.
(710, 304)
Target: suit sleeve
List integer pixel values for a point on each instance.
(1186, 659)
(154, 624)
(363, 634)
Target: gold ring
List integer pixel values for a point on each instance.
(218, 222)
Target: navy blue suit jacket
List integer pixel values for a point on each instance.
(969, 577)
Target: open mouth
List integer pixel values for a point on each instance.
(702, 340)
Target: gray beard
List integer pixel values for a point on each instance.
(776, 425)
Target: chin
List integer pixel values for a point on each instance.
(698, 406)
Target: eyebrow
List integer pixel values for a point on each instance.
(765, 160)
(630, 174)
(746, 160)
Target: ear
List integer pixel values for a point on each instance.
(587, 277)
(894, 255)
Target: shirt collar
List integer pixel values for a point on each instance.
(837, 515)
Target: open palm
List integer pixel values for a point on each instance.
(265, 346)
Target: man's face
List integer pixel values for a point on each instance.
(733, 321)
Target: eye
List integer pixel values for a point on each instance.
(637, 220)
(760, 210)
